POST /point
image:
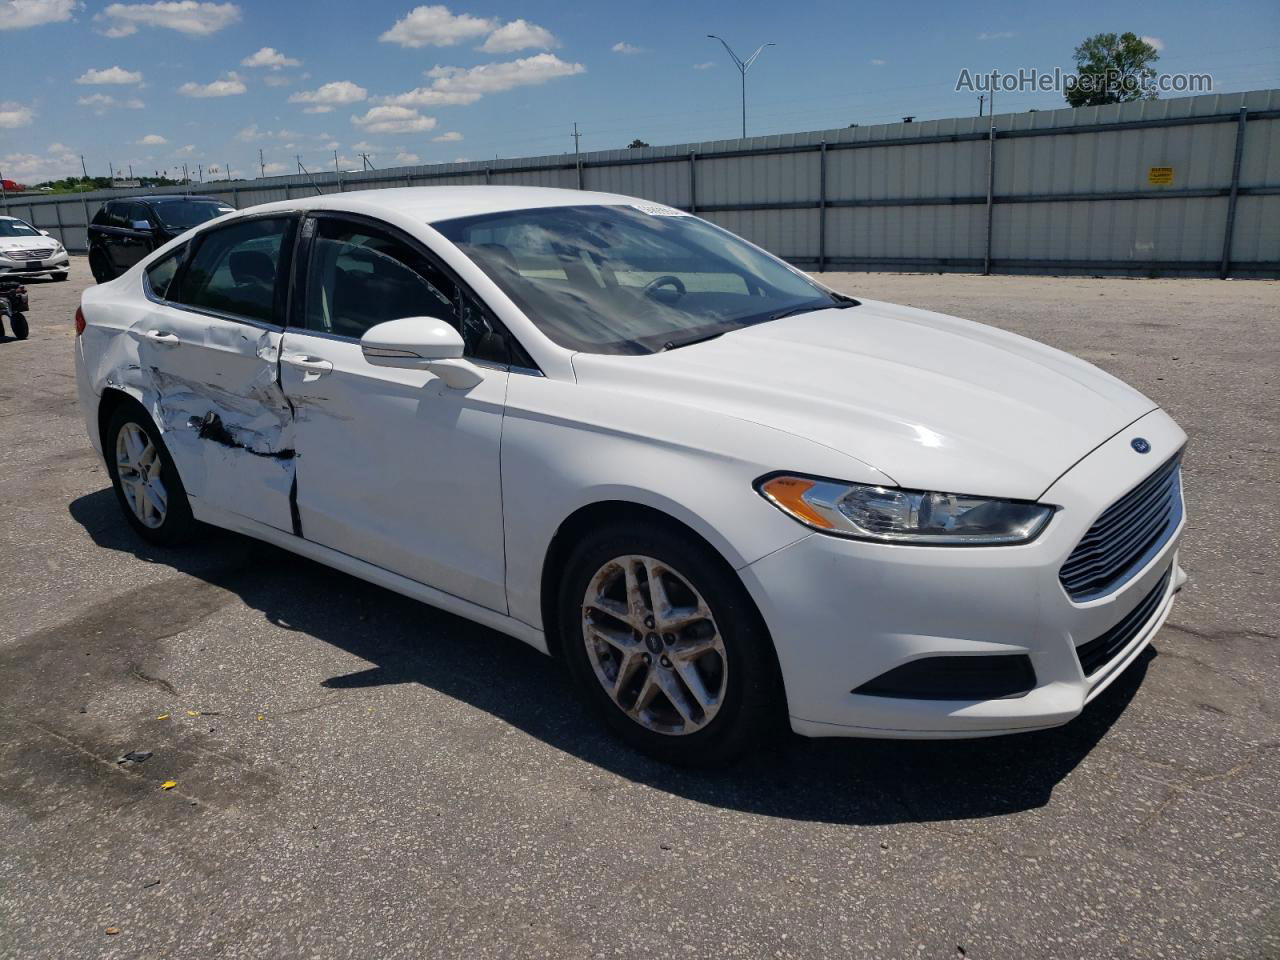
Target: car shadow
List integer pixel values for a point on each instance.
(836, 781)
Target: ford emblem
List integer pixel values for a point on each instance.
(1140, 444)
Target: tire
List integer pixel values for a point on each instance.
(99, 267)
(18, 323)
(740, 704)
(169, 526)
(59, 275)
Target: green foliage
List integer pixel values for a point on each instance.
(636, 144)
(1113, 68)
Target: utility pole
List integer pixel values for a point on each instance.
(981, 98)
(262, 167)
(576, 137)
(83, 168)
(4, 195)
(228, 173)
(200, 175)
(131, 171)
(298, 157)
(743, 66)
(111, 172)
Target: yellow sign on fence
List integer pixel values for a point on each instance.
(1160, 176)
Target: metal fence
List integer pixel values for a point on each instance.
(1186, 186)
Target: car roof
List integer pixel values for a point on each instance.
(431, 204)
(152, 197)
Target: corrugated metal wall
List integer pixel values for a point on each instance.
(1056, 191)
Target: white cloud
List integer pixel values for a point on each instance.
(877, 63)
(21, 14)
(519, 35)
(60, 161)
(325, 97)
(403, 159)
(705, 65)
(277, 80)
(102, 102)
(998, 35)
(392, 119)
(1155, 42)
(271, 168)
(269, 57)
(453, 136)
(497, 77)
(186, 151)
(110, 75)
(364, 146)
(152, 140)
(623, 47)
(427, 97)
(228, 86)
(435, 26)
(185, 16)
(15, 114)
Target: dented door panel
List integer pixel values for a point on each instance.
(212, 386)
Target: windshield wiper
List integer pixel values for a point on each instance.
(841, 304)
(677, 344)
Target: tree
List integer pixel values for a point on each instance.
(1113, 69)
(636, 144)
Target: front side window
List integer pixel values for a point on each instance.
(631, 278)
(17, 228)
(235, 270)
(360, 276)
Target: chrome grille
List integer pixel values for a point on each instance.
(1126, 536)
(28, 255)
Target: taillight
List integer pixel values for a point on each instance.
(79, 321)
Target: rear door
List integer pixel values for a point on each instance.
(209, 345)
(394, 466)
(134, 240)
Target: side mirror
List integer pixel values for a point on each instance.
(140, 225)
(420, 343)
(45, 233)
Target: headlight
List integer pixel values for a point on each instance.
(892, 515)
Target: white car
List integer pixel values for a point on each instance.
(26, 251)
(722, 493)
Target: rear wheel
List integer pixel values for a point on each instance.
(99, 267)
(146, 482)
(18, 322)
(665, 644)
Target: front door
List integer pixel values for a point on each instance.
(393, 466)
(208, 349)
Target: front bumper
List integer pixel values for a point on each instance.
(843, 612)
(34, 268)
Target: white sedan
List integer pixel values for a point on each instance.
(723, 494)
(26, 251)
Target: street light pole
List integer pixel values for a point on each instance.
(743, 66)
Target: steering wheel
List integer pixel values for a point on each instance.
(666, 280)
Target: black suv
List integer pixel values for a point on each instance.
(125, 231)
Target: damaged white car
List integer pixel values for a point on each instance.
(722, 493)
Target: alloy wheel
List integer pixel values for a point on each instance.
(138, 466)
(653, 644)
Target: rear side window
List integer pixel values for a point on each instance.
(236, 269)
(160, 274)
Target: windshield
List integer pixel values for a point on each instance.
(631, 279)
(17, 228)
(183, 214)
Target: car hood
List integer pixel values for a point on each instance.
(932, 401)
(27, 243)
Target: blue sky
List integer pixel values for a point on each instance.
(210, 83)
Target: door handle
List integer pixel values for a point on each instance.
(163, 337)
(313, 365)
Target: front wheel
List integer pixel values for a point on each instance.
(146, 482)
(59, 275)
(18, 322)
(665, 644)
